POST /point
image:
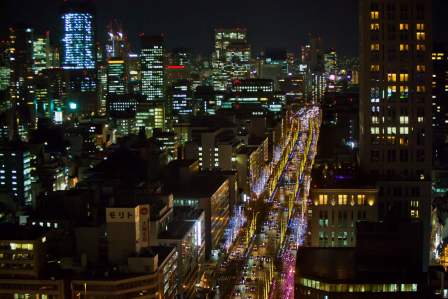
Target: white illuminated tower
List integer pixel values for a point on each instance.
(152, 70)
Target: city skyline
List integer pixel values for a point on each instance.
(285, 24)
(282, 164)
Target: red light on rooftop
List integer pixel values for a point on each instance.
(175, 67)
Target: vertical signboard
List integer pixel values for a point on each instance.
(142, 226)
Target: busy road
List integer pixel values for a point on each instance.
(260, 263)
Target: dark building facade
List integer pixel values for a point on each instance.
(395, 105)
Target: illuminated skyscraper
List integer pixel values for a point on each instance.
(15, 172)
(116, 76)
(440, 105)
(116, 44)
(396, 105)
(133, 72)
(224, 37)
(222, 60)
(41, 51)
(331, 62)
(331, 69)
(180, 100)
(78, 36)
(237, 60)
(5, 69)
(21, 61)
(152, 70)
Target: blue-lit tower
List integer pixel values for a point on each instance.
(78, 36)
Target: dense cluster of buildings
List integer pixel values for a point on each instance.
(122, 170)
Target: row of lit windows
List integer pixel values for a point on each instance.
(437, 56)
(21, 246)
(421, 68)
(392, 77)
(390, 130)
(403, 47)
(358, 288)
(342, 200)
(404, 120)
(403, 26)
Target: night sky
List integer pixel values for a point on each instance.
(270, 23)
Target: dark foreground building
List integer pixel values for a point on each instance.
(386, 263)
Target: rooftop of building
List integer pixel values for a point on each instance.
(187, 213)
(16, 232)
(210, 123)
(158, 203)
(115, 273)
(202, 184)
(183, 163)
(345, 264)
(339, 177)
(177, 230)
(247, 149)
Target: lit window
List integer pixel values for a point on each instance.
(421, 68)
(375, 120)
(375, 26)
(421, 88)
(404, 77)
(374, 130)
(375, 47)
(404, 26)
(391, 77)
(374, 15)
(404, 119)
(420, 27)
(323, 199)
(420, 47)
(391, 91)
(404, 130)
(361, 199)
(375, 68)
(420, 36)
(342, 199)
(404, 47)
(420, 119)
(391, 130)
(404, 92)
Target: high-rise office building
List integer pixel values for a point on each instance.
(395, 105)
(116, 76)
(224, 37)
(221, 60)
(182, 56)
(41, 51)
(180, 100)
(5, 69)
(152, 70)
(117, 43)
(15, 172)
(21, 62)
(133, 72)
(277, 57)
(440, 105)
(331, 62)
(237, 58)
(78, 36)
